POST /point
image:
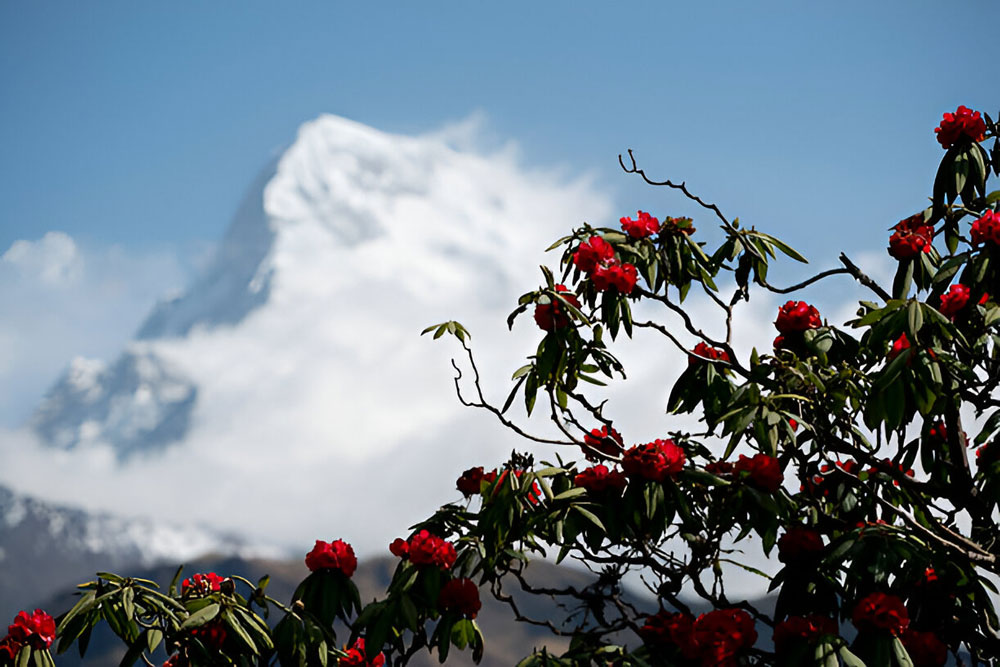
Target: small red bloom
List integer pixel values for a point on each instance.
(471, 481)
(881, 611)
(426, 548)
(202, 584)
(898, 346)
(400, 548)
(987, 229)
(911, 237)
(764, 472)
(654, 461)
(606, 441)
(645, 225)
(357, 656)
(37, 629)
(460, 596)
(721, 635)
(599, 479)
(954, 300)
(590, 254)
(553, 315)
(806, 629)
(965, 124)
(799, 544)
(612, 274)
(665, 629)
(702, 351)
(924, 648)
(793, 424)
(797, 316)
(337, 555)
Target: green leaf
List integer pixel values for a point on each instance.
(850, 660)
(899, 651)
(914, 318)
(201, 617)
(590, 516)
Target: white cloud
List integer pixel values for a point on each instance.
(53, 260)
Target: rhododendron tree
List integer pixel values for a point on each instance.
(843, 452)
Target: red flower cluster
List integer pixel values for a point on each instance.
(211, 635)
(202, 584)
(963, 124)
(703, 351)
(596, 258)
(898, 346)
(471, 481)
(551, 316)
(425, 548)
(954, 300)
(599, 479)
(715, 639)
(337, 555)
(806, 629)
(797, 316)
(881, 611)
(460, 596)
(911, 237)
(654, 461)
(37, 630)
(604, 440)
(763, 471)
(799, 544)
(356, 656)
(924, 648)
(646, 225)
(987, 228)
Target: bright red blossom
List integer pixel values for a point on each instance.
(356, 656)
(797, 316)
(553, 315)
(910, 238)
(799, 544)
(599, 479)
(806, 629)
(337, 555)
(37, 629)
(471, 481)
(425, 548)
(208, 582)
(703, 351)
(723, 634)
(954, 300)
(654, 461)
(924, 648)
(898, 346)
(763, 471)
(645, 225)
(593, 253)
(881, 611)
(460, 596)
(596, 258)
(604, 440)
(965, 124)
(987, 229)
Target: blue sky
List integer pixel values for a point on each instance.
(142, 123)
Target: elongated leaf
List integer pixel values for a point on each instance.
(201, 617)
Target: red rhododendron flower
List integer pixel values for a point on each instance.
(202, 584)
(400, 548)
(612, 274)
(426, 548)
(806, 629)
(37, 629)
(211, 635)
(721, 635)
(665, 629)
(987, 229)
(592, 253)
(471, 481)
(356, 656)
(599, 479)
(553, 315)
(898, 346)
(964, 124)
(797, 316)
(954, 300)
(911, 237)
(703, 351)
(337, 555)
(606, 441)
(646, 225)
(924, 648)
(654, 461)
(881, 611)
(460, 596)
(764, 472)
(799, 544)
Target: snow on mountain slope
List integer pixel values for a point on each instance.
(290, 380)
